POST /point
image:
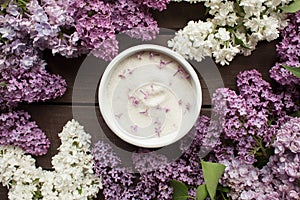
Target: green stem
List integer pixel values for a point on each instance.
(2, 84)
(258, 141)
(223, 196)
(22, 1)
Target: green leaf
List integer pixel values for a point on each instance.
(79, 190)
(223, 189)
(180, 191)
(201, 192)
(240, 42)
(212, 172)
(35, 181)
(296, 114)
(5, 4)
(292, 8)
(37, 195)
(293, 70)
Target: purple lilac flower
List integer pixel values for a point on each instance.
(239, 177)
(153, 182)
(104, 156)
(287, 150)
(133, 18)
(147, 161)
(249, 119)
(288, 53)
(42, 26)
(93, 24)
(76, 27)
(17, 129)
(16, 48)
(28, 85)
(51, 27)
(250, 183)
(97, 22)
(116, 180)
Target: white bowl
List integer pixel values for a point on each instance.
(150, 96)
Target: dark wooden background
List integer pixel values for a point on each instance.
(80, 101)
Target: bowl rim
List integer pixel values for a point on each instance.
(152, 142)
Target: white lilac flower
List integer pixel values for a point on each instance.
(226, 54)
(223, 34)
(200, 39)
(253, 7)
(72, 178)
(247, 21)
(265, 28)
(224, 13)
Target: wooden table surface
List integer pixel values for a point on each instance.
(83, 74)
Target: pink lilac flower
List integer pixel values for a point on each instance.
(17, 129)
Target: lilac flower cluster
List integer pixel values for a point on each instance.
(75, 27)
(279, 179)
(248, 120)
(250, 183)
(253, 123)
(50, 27)
(25, 31)
(28, 85)
(97, 22)
(45, 25)
(287, 152)
(288, 54)
(17, 129)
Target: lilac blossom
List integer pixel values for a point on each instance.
(278, 179)
(133, 17)
(17, 129)
(287, 150)
(15, 45)
(249, 119)
(28, 85)
(72, 28)
(97, 23)
(288, 54)
(44, 25)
